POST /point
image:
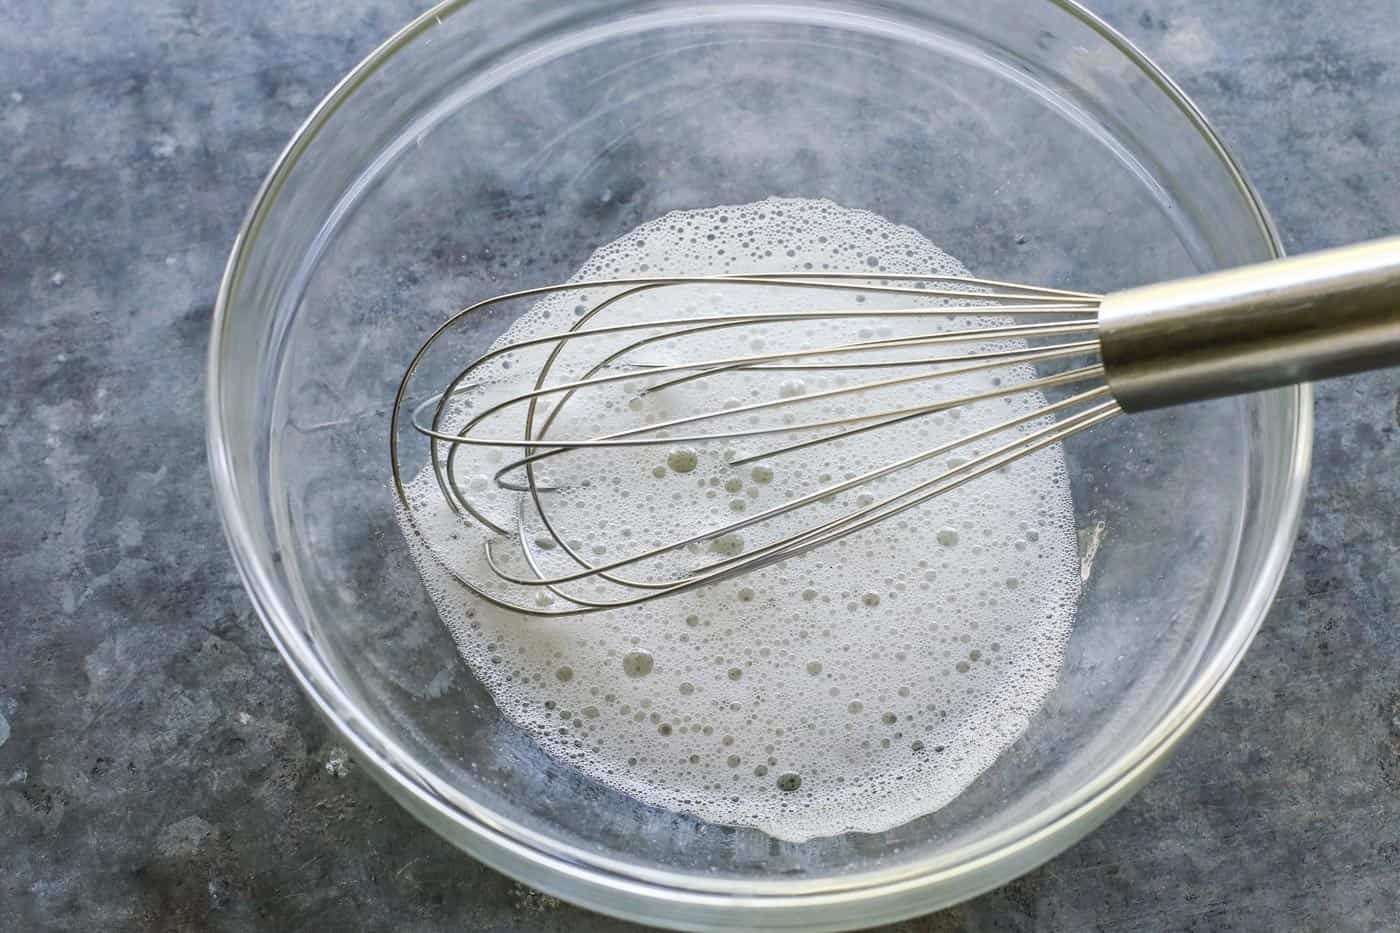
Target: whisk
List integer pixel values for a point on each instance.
(1097, 356)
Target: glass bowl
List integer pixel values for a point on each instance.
(492, 145)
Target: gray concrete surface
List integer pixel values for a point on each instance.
(158, 768)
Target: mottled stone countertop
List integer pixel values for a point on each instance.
(132, 794)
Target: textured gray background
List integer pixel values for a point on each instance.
(158, 769)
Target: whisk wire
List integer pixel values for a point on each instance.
(1001, 344)
(834, 529)
(823, 493)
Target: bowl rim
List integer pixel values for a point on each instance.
(625, 889)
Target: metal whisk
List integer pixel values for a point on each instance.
(1080, 358)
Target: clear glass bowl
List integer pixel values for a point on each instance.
(492, 145)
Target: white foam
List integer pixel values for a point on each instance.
(854, 688)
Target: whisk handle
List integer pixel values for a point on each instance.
(1275, 323)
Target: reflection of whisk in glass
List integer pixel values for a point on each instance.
(1272, 324)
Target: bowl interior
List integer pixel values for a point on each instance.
(497, 144)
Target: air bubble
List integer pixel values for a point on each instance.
(682, 459)
(727, 544)
(637, 664)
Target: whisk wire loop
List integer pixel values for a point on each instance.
(987, 326)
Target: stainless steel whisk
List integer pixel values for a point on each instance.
(1256, 327)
